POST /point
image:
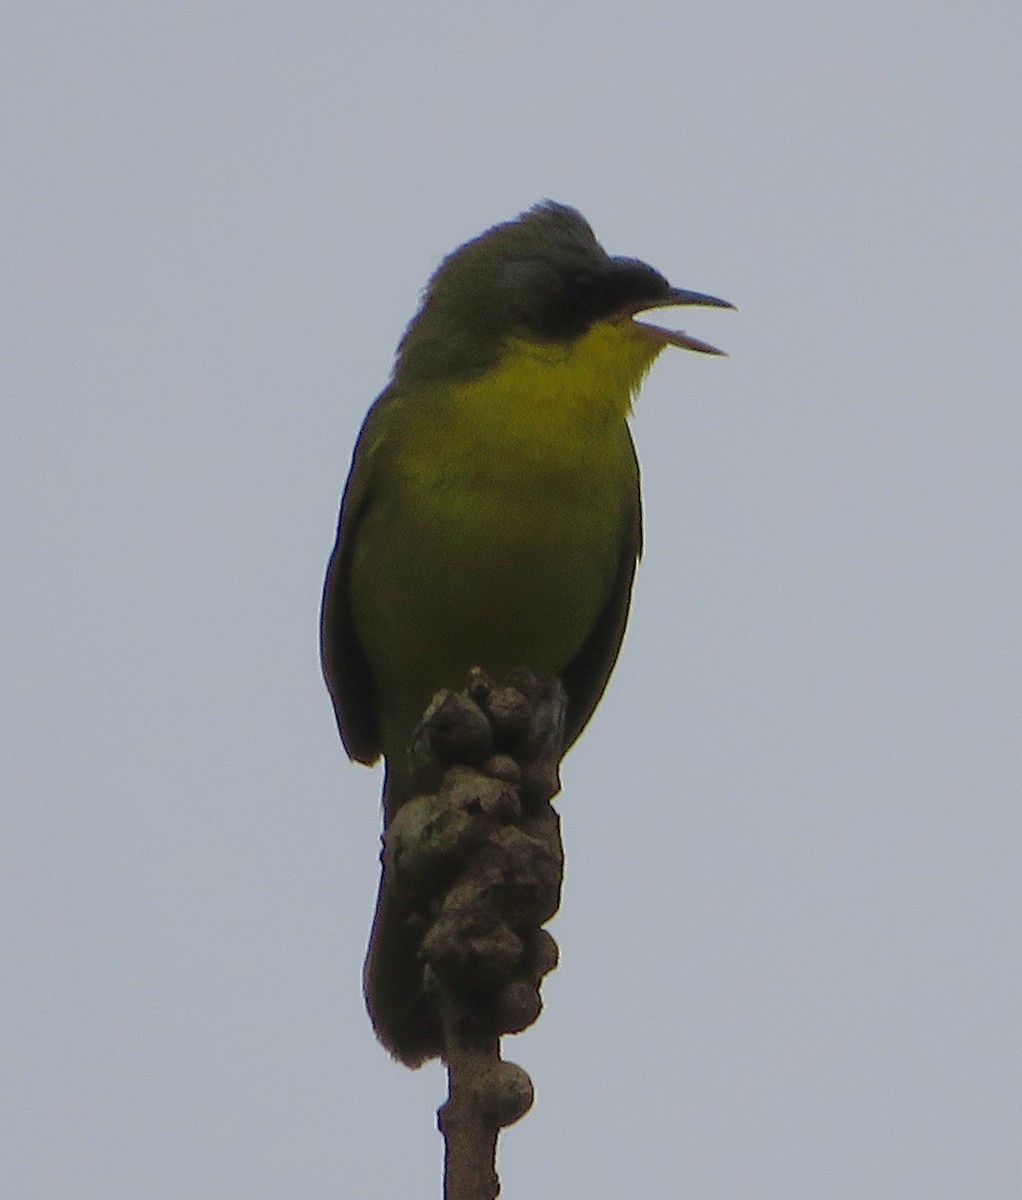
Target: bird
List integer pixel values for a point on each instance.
(491, 517)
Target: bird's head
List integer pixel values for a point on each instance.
(541, 278)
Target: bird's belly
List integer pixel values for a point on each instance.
(495, 576)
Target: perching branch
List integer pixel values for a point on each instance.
(478, 863)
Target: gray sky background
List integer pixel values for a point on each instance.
(789, 934)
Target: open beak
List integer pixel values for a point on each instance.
(677, 337)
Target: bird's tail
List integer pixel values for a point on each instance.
(403, 1015)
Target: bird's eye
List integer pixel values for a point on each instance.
(584, 287)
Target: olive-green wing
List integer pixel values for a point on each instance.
(585, 677)
(345, 666)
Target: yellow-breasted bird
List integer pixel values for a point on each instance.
(492, 515)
